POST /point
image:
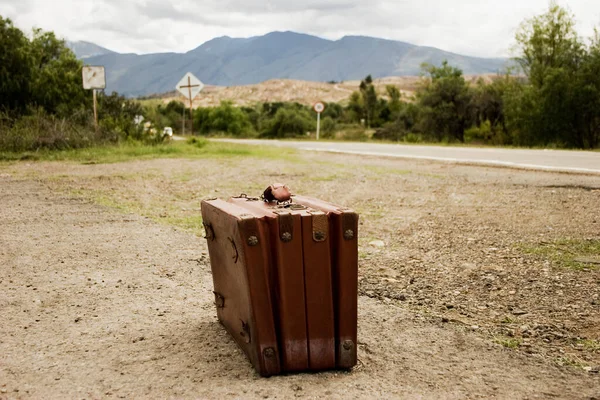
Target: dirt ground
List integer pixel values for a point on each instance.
(106, 291)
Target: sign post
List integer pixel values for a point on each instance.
(94, 78)
(183, 120)
(189, 86)
(95, 110)
(319, 108)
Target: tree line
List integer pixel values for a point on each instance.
(42, 100)
(550, 98)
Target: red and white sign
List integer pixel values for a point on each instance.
(319, 107)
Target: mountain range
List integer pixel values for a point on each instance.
(227, 61)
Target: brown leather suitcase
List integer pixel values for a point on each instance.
(285, 277)
(239, 250)
(343, 223)
(304, 294)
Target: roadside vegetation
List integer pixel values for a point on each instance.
(551, 98)
(192, 148)
(43, 105)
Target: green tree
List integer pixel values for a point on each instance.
(445, 99)
(355, 108)
(289, 122)
(57, 82)
(369, 100)
(226, 118)
(229, 119)
(547, 42)
(394, 103)
(116, 115)
(559, 104)
(587, 98)
(488, 107)
(333, 110)
(15, 68)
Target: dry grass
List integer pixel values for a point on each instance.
(304, 92)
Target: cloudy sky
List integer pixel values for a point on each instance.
(471, 27)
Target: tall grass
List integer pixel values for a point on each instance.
(41, 130)
(135, 150)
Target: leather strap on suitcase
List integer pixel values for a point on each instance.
(304, 300)
(343, 224)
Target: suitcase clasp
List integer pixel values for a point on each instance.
(210, 232)
(219, 300)
(245, 333)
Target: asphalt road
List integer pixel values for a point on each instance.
(548, 160)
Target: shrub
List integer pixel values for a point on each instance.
(328, 127)
(354, 133)
(226, 118)
(479, 134)
(44, 131)
(116, 114)
(289, 123)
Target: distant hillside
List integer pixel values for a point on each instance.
(226, 61)
(304, 92)
(87, 49)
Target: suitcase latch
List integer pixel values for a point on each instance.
(245, 333)
(219, 300)
(210, 232)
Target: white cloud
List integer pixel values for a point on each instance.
(481, 28)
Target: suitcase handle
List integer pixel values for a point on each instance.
(277, 192)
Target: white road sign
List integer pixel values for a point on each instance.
(93, 77)
(319, 107)
(189, 86)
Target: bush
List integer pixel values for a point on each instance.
(116, 114)
(44, 131)
(413, 138)
(328, 127)
(197, 141)
(289, 123)
(353, 133)
(170, 115)
(226, 118)
(391, 132)
(479, 134)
